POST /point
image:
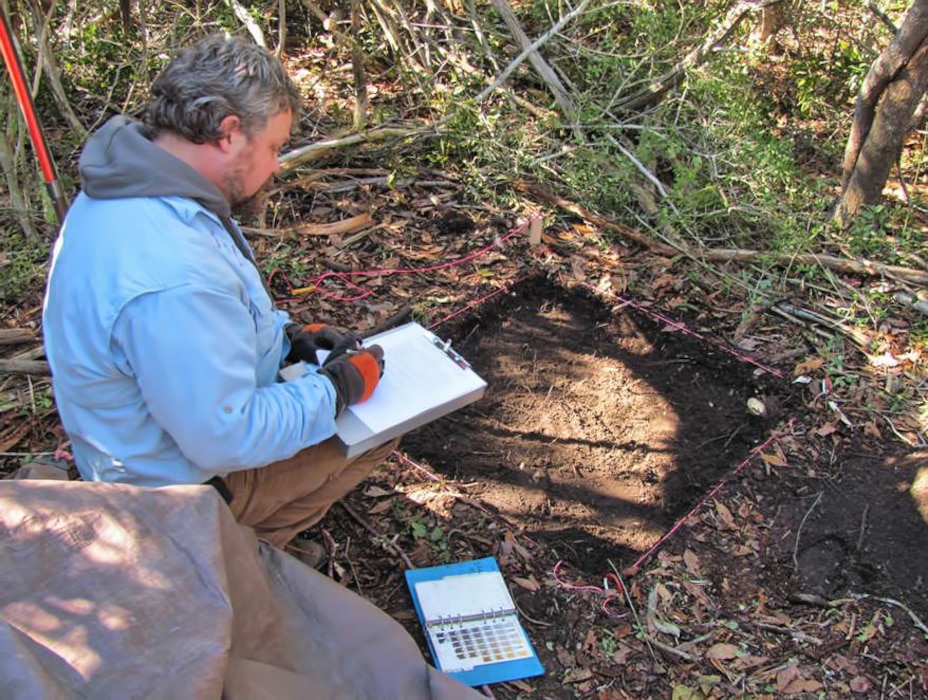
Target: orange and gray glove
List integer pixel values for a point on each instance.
(355, 374)
(306, 340)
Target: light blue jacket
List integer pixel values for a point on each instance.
(163, 342)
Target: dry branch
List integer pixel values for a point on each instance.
(631, 234)
(25, 367)
(11, 142)
(544, 70)
(653, 92)
(315, 150)
(864, 268)
(15, 336)
(531, 50)
(854, 267)
(46, 59)
(241, 13)
(350, 225)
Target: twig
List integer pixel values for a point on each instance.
(378, 537)
(891, 601)
(242, 14)
(531, 619)
(863, 526)
(821, 332)
(313, 150)
(669, 649)
(530, 50)
(898, 434)
(859, 339)
(798, 635)
(350, 225)
(883, 17)
(655, 91)
(631, 607)
(799, 531)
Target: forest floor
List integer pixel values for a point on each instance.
(682, 507)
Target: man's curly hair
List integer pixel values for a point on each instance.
(217, 77)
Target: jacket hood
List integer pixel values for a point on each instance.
(121, 161)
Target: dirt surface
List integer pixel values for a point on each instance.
(602, 428)
(597, 430)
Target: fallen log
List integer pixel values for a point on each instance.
(36, 367)
(16, 336)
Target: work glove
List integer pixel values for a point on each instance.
(355, 374)
(305, 341)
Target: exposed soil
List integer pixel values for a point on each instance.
(600, 429)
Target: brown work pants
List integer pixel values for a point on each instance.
(282, 499)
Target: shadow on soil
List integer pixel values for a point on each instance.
(599, 427)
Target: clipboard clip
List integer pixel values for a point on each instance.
(445, 347)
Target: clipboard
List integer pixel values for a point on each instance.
(424, 379)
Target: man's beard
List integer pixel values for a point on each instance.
(251, 207)
(242, 204)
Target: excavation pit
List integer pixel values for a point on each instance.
(600, 426)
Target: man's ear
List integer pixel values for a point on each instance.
(230, 128)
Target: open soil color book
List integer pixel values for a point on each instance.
(471, 622)
(424, 379)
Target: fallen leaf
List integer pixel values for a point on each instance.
(684, 692)
(749, 661)
(707, 683)
(722, 651)
(528, 584)
(564, 657)
(692, 562)
(773, 460)
(861, 684)
(516, 547)
(664, 593)
(725, 515)
(826, 430)
(375, 491)
(809, 365)
(380, 507)
(697, 591)
(622, 653)
(786, 676)
(802, 685)
(576, 675)
(790, 681)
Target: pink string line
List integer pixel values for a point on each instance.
(478, 302)
(345, 277)
(608, 593)
(625, 301)
(702, 501)
(681, 327)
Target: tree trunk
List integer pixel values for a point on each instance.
(883, 117)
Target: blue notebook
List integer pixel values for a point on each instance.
(471, 623)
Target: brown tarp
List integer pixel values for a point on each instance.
(112, 591)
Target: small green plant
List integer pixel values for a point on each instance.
(608, 643)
